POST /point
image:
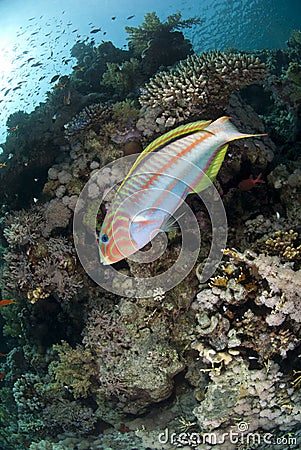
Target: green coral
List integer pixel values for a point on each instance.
(296, 37)
(294, 73)
(139, 37)
(123, 78)
(75, 369)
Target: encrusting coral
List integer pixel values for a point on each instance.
(262, 398)
(201, 83)
(121, 350)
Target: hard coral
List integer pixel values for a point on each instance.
(90, 117)
(152, 28)
(45, 268)
(250, 282)
(283, 244)
(133, 365)
(262, 398)
(200, 83)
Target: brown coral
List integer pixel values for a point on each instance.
(200, 82)
(91, 117)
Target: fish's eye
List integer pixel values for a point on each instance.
(104, 238)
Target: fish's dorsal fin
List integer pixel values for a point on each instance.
(165, 139)
(212, 170)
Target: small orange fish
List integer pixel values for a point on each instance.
(250, 183)
(59, 86)
(2, 375)
(3, 355)
(6, 302)
(2, 165)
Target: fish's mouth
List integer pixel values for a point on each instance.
(105, 261)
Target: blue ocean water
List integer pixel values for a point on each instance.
(36, 37)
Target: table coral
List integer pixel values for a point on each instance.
(201, 83)
(151, 28)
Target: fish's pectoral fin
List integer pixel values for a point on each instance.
(171, 224)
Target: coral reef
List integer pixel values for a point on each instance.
(37, 267)
(248, 280)
(123, 78)
(158, 43)
(262, 398)
(121, 351)
(152, 28)
(90, 117)
(74, 369)
(83, 368)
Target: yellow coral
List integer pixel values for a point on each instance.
(75, 369)
(218, 281)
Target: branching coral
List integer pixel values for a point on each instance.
(249, 281)
(283, 244)
(46, 268)
(140, 37)
(91, 117)
(200, 83)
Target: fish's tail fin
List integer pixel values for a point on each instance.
(225, 127)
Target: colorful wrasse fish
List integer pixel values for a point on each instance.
(169, 169)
